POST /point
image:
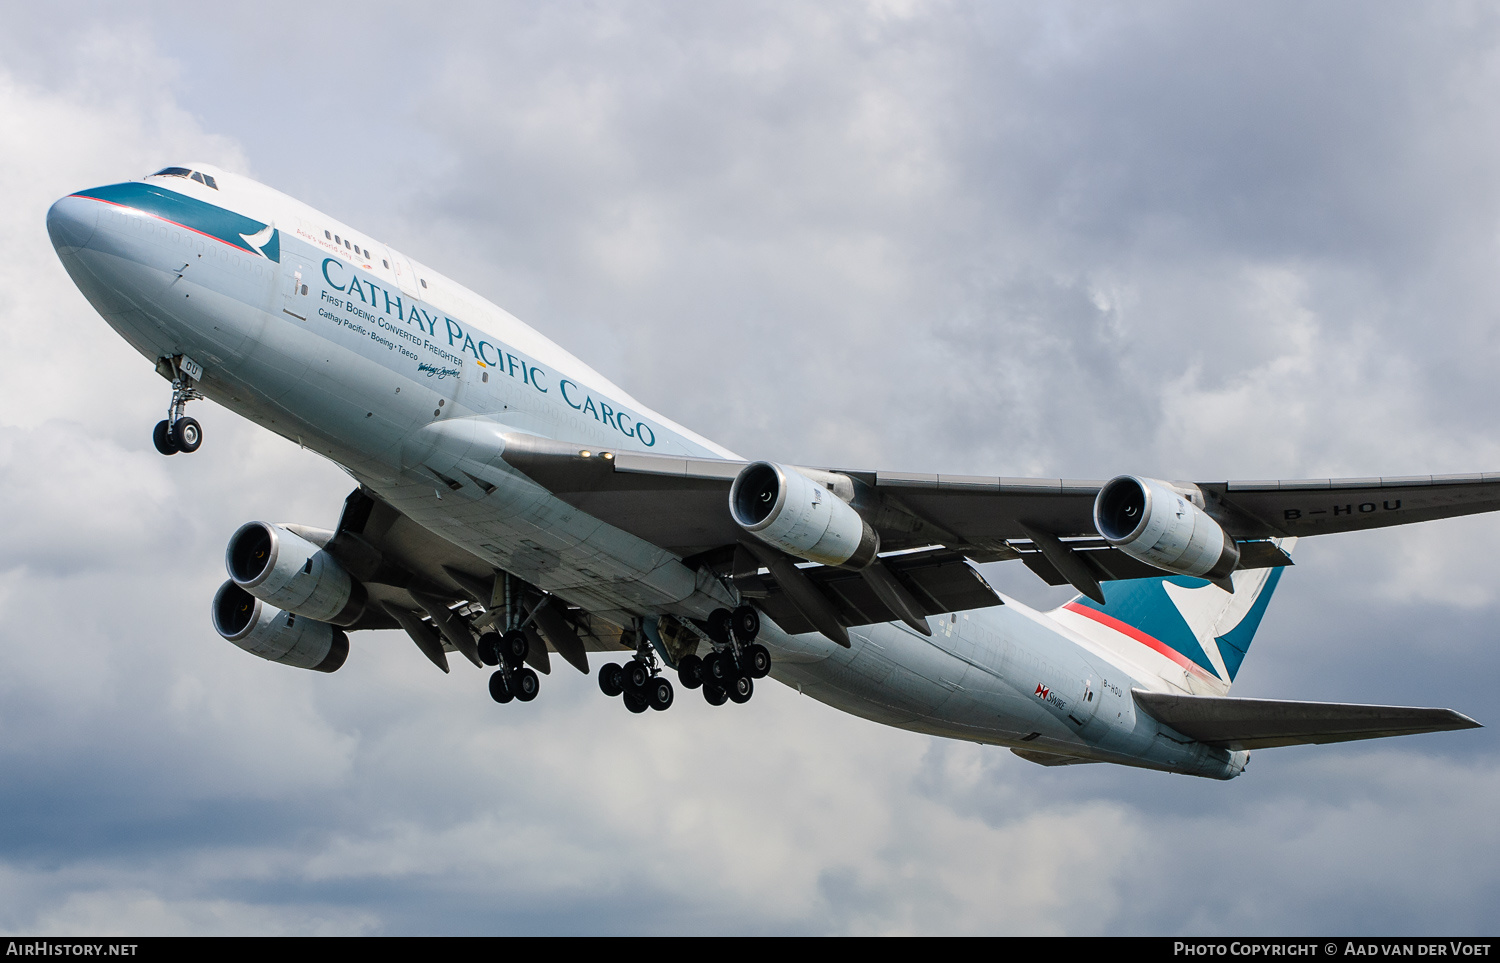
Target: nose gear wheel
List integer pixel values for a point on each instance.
(177, 432)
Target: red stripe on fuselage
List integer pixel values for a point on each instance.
(1150, 641)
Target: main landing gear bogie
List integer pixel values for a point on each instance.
(520, 684)
(639, 682)
(512, 647)
(512, 680)
(728, 673)
(721, 677)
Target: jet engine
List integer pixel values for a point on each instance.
(281, 568)
(276, 635)
(803, 516)
(1156, 522)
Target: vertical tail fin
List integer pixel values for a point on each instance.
(1193, 623)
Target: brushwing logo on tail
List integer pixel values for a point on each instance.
(1188, 619)
(1204, 605)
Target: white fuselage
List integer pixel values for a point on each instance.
(403, 377)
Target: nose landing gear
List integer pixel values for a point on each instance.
(177, 432)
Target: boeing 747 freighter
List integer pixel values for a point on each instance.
(515, 505)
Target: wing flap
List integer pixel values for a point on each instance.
(939, 580)
(1111, 564)
(1231, 723)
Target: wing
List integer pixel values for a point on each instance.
(429, 587)
(681, 504)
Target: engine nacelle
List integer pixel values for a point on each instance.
(276, 635)
(281, 568)
(788, 509)
(1153, 521)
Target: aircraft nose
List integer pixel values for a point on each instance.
(71, 222)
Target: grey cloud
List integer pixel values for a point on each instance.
(1191, 240)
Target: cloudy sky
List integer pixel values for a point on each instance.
(1191, 240)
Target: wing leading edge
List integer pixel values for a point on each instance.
(681, 503)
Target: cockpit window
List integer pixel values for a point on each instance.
(205, 179)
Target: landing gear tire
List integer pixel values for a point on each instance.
(740, 690)
(660, 694)
(720, 625)
(499, 689)
(526, 685)
(635, 703)
(161, 437)
(690, 671)
(714, 669)
(636, 676)
(178, 432)
(714, 694)
(187, 435)
(489, 648)
(745, 622)
(757, 660)
(610, 682)
(513, 646)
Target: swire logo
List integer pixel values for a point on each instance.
(1042, 691)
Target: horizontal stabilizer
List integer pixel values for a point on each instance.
(1264, 723)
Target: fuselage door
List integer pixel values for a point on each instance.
(1086, 703)
(406, 277)
(296, 282)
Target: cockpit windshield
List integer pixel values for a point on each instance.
(206, 180)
